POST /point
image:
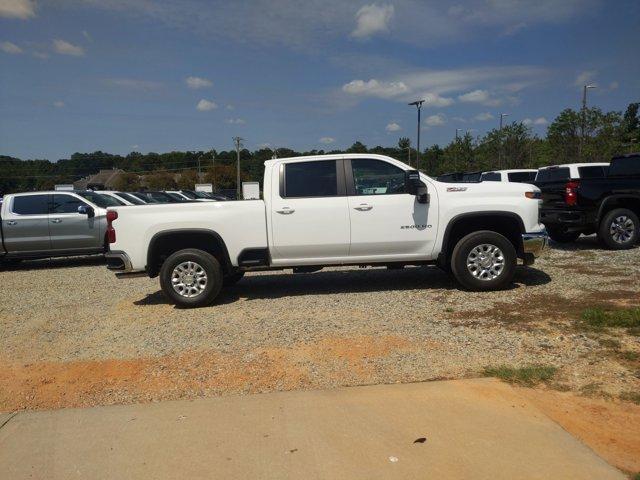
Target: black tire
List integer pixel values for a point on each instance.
(503, 275)
(232, 279)
(10, 262)
(206, 262)
(561, 235)
(395, 267)
(618, 229)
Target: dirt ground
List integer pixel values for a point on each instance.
(73, 335)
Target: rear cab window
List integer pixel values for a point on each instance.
(491, 177)
(31, 205)
(556, 174)
(521, 177)
(310, 179)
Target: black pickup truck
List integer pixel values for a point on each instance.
(608, 205)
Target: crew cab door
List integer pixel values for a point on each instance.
(309, 213)
(25, 224)
(69, 229)
(386, 221)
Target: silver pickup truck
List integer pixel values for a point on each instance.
(53, 224)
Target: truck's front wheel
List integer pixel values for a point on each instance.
(191, 278)
(484, 260)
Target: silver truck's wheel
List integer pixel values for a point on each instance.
(191, 278)
(484, 260)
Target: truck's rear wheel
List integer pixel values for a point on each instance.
(484, 260)
(618, 229)
(191, 278)
(562, 235)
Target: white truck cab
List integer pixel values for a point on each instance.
(347, 209)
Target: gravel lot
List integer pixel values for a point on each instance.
(71, 334)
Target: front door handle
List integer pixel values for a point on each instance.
(286, 211)
(56, 220)
(364, 207)
(12, 222)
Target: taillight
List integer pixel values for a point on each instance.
(111, 233)
(533, 195)
(571, 193)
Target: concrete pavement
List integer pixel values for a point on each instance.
(480, 429)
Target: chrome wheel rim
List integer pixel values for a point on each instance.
(621, 229)
(485, 262)
(189, 279)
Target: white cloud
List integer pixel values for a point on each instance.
(65, 48)
(459, 119)
(585, 78)
(11, 48)
(235, 121)
(536, 121)
(375, 88)
(614, 85)
(392, 127)
(436, 120)
(198, 82)
(437, 86)
(42, 55)
(86, 35)
(230, 107)
(58, 104)
(264, 145)
(483, 117)
(22, 9)
(480, 96)
(372, 19)
(327, 140)
(206, 105)
(513, 29)
(133, 84)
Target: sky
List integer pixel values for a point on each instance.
(164, 75)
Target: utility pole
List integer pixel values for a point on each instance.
(502, 115)
(199, 157)
(238, 143)
(457, 130)
(583, 118)
(213, 170)
(418, 104)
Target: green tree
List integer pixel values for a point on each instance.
(160, 180)
(357, 147)
(127, 182)
(187, 180)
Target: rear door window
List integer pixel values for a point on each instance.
(559, 174)
(521, 177)
(31, 205)
(66, 204)
(625, 166)
(591, 172)
(310, 179)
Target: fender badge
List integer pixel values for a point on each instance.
(456, 189)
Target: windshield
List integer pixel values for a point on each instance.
(203, 195)
(556, 174)
(130, 198)
(102, 201)
(189, 194)
(175, 196)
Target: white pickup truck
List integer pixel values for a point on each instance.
(330, 210)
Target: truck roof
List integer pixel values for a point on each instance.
(333, 156)
(584, 164)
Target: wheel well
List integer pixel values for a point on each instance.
(632, 203)
(509, 225)
(164, 244)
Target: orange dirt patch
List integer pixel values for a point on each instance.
(610, 428)
(46, 385)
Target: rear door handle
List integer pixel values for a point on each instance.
(12, 222)
(56, 220)
(363, 207)
(286, 211)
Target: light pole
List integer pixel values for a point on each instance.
(583, 118)
(502, 115)
(237, 141)
(213, 170)
(418, 104)
(457, 130)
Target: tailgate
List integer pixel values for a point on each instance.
(552, 194)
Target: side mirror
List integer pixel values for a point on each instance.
(86, 210)
(414, 186)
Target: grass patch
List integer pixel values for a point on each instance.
(629, 355)
(609, 343)
(630, 397)
(598, 318)
(527, 376)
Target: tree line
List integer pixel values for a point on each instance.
(587, 135)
